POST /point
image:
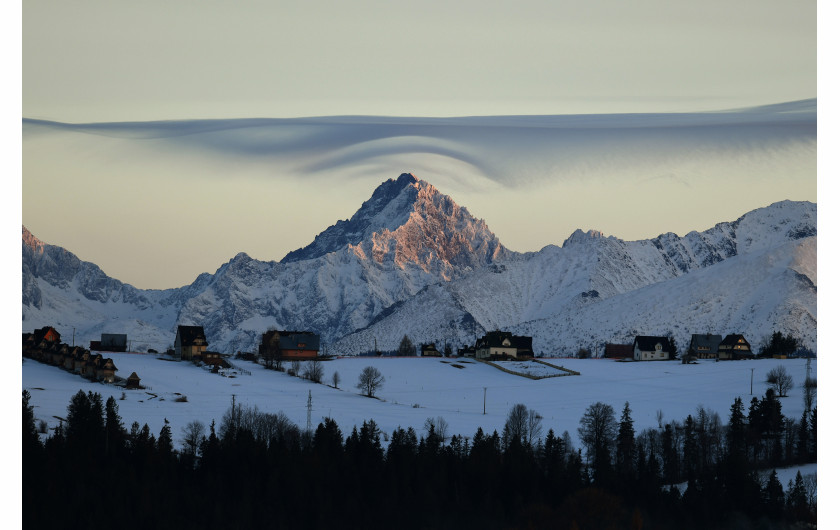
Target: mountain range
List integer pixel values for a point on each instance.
(412, 262)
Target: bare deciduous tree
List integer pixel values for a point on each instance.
(192, 433)
(370, 380)
(295, 368)
(779, 380)
(314, 371)
(437, 425)
(335, 379)
(522, 424)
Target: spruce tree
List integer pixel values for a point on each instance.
(626, 444)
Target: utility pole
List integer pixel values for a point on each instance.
(751, 379)
(485, 400)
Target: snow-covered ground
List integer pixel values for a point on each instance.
(419, 388)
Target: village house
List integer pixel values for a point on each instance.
(429, 350)
(466, 351)
(649, 348)
(618, 351)
(734, 347)
(70, 359)
(704, 346)
(105, 371)
(213, 358)
(292, 345)
(93, 363)
(190, 342)
(47, 333)
(503, 345)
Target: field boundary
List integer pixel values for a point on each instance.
(570, 372)
(566, 371)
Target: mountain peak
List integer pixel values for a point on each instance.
(407, 220)
(579, 236)
(31, 241)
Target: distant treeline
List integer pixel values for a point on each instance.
(259, 470)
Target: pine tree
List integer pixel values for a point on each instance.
(164, 442)
(774, 496)
(31, 442)
(797, 500)
(626, 444)
(691, 453)
(115, 434)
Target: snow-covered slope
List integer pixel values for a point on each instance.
(411, 261)
(752, 276)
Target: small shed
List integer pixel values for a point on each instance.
(133, 381)
(429, 350)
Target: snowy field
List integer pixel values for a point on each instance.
(418, 388)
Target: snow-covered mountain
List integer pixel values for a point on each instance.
(411, 261)
(407, 236)
(751, 276)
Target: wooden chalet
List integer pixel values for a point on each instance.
(213, 358)
(58, 354)
(70, 358)
(93, 363)
(47, 333)
(618, 351)
(734, 347)
(429, 350)
(190, 342)
(292, 345)
(79, 362)
(106, 371)
(704, 346)
(649, 348)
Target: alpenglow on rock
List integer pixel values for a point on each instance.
(408, 221)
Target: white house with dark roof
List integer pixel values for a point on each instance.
(647, 348)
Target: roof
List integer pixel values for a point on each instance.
(732, 340)
(191, 334)
(41, 333)
(495, 339)
(522, 343)
(648, 343)
(134, 376)
(705, 341)
(292, 340)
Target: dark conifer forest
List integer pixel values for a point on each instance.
(255, 469)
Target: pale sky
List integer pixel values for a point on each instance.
(155, 60)
(104, 61)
